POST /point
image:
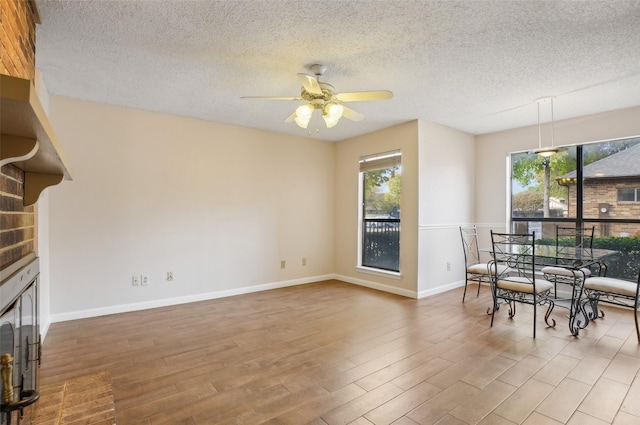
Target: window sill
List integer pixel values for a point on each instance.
(379, 272)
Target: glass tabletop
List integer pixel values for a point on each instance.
(569, 255)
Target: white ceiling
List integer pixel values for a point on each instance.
(474, 65)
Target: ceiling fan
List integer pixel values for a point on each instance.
(322, 96)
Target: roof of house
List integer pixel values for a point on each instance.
(625, 163)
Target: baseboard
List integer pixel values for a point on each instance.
(440, 289)
(44, 328)
(376, 285)
(125, 308)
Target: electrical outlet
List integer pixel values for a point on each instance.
(448, 267)
(135, 280)
(144, 280)
(304, 261)
(169, 276)
(282, 264)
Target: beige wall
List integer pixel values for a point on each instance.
(447, 196)
(219, 206)
(348, 152)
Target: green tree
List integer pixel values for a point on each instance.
(395, 190)
(528, 201)
(382, 191)
(377, 178)
(538, 174)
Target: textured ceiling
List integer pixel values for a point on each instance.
(477, 66)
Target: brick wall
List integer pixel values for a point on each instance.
(17, 55)
(17, 223)
(605, 191)
(18, 38)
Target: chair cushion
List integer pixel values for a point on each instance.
(483, 268)
(565, 272)
(612, 285)
(522, 284)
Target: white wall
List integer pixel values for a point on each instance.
(493, 149)
(447, 189)
(42, 229)
(219, 206)
(43, 252)
(348, 152)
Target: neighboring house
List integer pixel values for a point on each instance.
(611, 190)
(558, 204)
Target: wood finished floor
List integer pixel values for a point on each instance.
(335, 353)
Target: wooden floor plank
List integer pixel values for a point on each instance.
(335, 353)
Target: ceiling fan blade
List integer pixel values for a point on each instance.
(361, 96)
(310, 84)
(273, 97)
(291, 117)
(351, 114)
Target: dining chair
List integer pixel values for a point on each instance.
(578, 237)
(521, 285)
(619, 292)
(475, 270)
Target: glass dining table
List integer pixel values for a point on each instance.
(575, 259)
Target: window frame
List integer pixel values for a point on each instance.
(635, 191)
(579, 219)
(368, 163)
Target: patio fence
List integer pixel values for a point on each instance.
(381, 244)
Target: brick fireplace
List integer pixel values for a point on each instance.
(18, 40)
(30, 161)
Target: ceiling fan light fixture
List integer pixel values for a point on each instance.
(329, 120)
(322, 96)
(304, 111)
(331, 113)
(303, 115)
(334, 110)
(303, 122)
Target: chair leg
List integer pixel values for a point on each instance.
(479, 283)
(635, 316)
(495, 307)
(548, 314)
(464, 294)
(595, 308)
(534, 319)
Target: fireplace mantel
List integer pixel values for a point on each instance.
(27, 139)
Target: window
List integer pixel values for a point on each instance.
(592, 185)
(629, 194)
(380, 177)
(540, 186)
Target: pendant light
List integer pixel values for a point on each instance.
(548, 151)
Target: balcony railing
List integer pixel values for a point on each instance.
(381, 243)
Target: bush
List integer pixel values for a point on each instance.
(626, 263)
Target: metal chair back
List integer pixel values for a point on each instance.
(579, 237)
(469, 235)
(517, 251)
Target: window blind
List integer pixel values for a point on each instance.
(380, 161)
